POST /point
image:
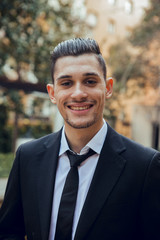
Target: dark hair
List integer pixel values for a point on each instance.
(76, 47)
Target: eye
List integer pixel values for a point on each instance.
(66, 83)
(91, 82)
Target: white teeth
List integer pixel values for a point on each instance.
(79, 108)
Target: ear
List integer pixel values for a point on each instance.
(109, 88)
(50, 89)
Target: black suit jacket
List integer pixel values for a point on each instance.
(123, 202)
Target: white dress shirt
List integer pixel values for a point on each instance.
(86, 171)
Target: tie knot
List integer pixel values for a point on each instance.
(76, 160)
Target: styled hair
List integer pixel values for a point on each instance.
(76, 47)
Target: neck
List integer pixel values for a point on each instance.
(78, 138)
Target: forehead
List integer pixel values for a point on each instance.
(81, 63)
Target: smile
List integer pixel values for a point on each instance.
(80, 108)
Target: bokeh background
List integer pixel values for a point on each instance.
(128, 32)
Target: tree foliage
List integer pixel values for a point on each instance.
(134, 62)
(30, 29)
(123, 63)
(149, 27)
(147, 37)
(136, 59)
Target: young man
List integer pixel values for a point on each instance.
(118, 196)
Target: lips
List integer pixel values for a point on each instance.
(80, 108)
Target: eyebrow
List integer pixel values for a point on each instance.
(85, 74)
(91, 74)
(63, 77)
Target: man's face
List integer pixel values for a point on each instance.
(79, 90)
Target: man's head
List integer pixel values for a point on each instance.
(76, 47)
(79, 86)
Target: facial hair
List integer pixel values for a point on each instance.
(83, 125)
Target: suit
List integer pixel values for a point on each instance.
(123, 201)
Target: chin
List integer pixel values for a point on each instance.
(80, 125)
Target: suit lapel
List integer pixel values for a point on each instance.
(107, 173)
(46, 170)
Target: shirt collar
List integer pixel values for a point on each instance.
(95, 143)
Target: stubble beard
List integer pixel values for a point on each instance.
(83, 125)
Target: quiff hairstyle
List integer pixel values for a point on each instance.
(76, 47)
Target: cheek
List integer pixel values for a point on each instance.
(60, 96)
(101, 96)
(60, 102)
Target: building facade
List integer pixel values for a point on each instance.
(111, 21)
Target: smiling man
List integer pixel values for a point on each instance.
(85, 182)
(79, 90)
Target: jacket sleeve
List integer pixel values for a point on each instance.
(151, 200)
(11, 212)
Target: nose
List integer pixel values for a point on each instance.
(79, 92)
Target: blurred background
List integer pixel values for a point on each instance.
(128, 32)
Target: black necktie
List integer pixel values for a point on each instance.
(69, 197)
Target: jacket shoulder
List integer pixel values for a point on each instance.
(128, 147)
(40, 143)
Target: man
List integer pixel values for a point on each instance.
(119, 185)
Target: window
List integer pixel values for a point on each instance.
(112, 2)
(92, 20)
(128, 7)
(111, 27)
(128, 31)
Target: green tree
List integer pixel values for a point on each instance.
(124, 64)
(136, 58)
(146, 37)
(15, 105)
(129, 59)
(30, 29)
(149, 27)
